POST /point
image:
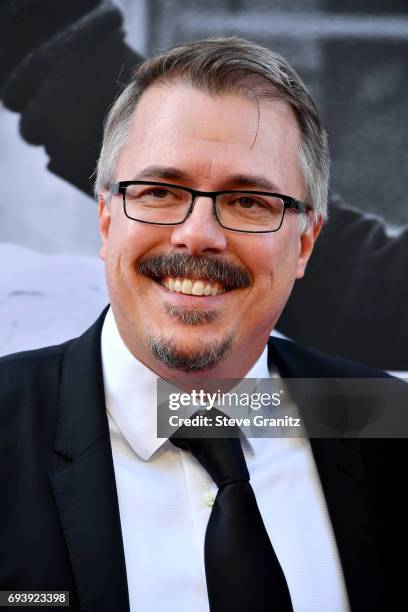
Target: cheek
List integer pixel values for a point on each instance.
(128, 240)
(122, 250)
(272, 260)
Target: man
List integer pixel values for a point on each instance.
(212, 188)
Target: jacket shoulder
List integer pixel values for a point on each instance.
(34, 354)
(30, 382)
(30, 363)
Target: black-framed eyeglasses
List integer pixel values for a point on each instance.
(240, 211)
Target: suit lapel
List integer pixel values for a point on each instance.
(342, 477)
(85, 490)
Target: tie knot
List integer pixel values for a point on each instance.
(223, 458)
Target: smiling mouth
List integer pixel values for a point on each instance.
(194, 287)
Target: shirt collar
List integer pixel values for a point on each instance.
(131, 391)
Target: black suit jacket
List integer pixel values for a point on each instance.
(59, 517)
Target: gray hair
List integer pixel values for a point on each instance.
(217, 66)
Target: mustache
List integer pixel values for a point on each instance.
(178, 265)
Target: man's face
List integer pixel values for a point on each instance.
(186, 137)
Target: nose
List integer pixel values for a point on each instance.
(200, 233)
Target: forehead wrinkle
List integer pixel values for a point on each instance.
(198, 170)
(241, 139)
(216, 140)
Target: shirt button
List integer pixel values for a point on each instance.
(209, 498)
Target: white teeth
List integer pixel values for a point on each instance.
(190, 287)
(198, 288)
(187, 286)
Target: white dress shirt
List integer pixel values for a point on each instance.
(165, 500)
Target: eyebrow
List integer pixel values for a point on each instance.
(255, 182)
(162, 172)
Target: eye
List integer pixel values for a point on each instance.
(157, 192)
(246, 202)
(150, 192)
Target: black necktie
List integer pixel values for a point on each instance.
(242, 570)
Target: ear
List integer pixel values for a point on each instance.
(104, 216)
(307, 240)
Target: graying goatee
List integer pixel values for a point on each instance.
(205, 358)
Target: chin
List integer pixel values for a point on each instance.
(190, 357)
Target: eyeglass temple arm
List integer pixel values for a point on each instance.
(115, 189)
(297, 205)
